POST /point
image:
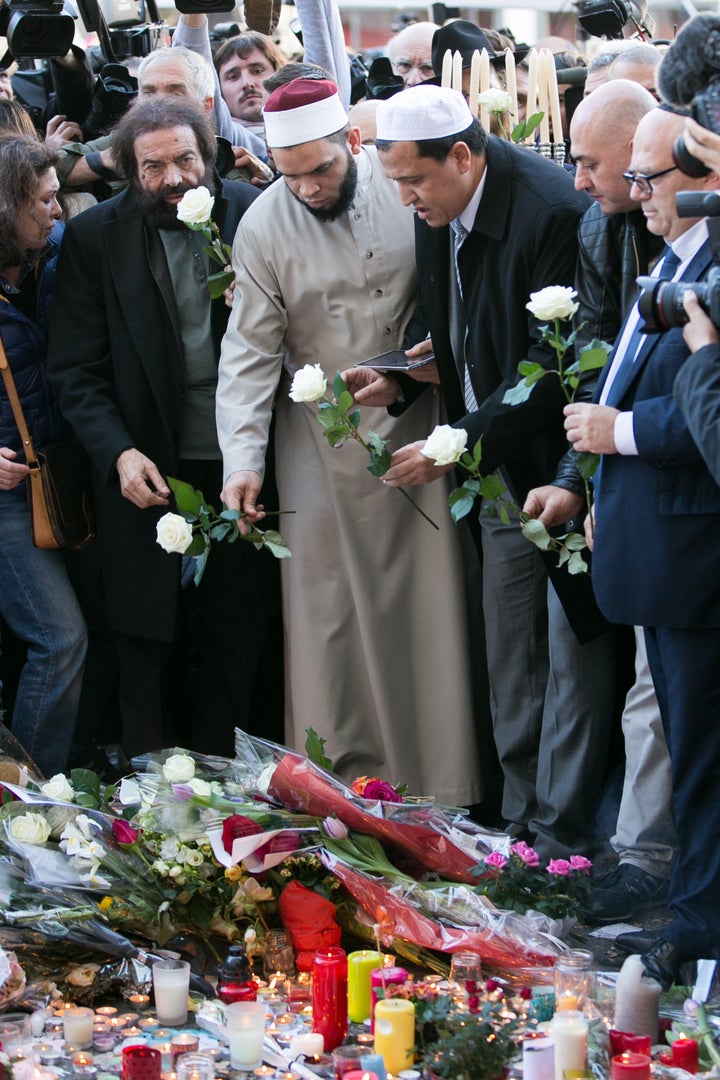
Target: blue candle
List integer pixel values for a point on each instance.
(374, 1063)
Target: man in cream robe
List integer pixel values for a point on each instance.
(377, 643)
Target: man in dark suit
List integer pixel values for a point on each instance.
(135, 341)
(508, 220)
(656, 559)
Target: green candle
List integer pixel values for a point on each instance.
(360, 964)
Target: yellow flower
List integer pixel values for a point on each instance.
(233, 873)
(106, 903)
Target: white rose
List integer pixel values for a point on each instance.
(174, 534)
(495, 100)
(179, 768)
(200, 787)
(445, 444)
(193, 857)
(553, 302)
(195, 207)
(29, 828)
(58, 788)
(309, 384)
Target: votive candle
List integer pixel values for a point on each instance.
(538, 1059)
(685, 1054)
(570, 1036)
(385, 976)
(78, 1027)
(630, 1066)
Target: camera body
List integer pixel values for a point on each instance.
(705, 108)
(36, 29)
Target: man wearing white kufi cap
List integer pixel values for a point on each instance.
(495, 222)
(373, 598)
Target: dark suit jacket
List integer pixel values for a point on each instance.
(524, 238)
(115, 365)
(656, 560)
(697, 392)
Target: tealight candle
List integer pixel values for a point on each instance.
(139, 1001)
(47, 1054)
(309, 1044)
(149, 1023)
(103, 1041)
(107, 1011)
(83, 1065)
(78, 1027)
(129, 1018)
(264, 1070)
(183, 1044)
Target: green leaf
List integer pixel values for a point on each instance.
(200, 565)
(575, 542)
(504, 515)
(592, 359)
(516, 395)
(477, 451)
(353, 419)
(275, 542)
(345, 401)
(461, 503)
(219, 532)
(329, 419)
(491, 487)
(531, 371)
(587, 464)
(188, 500)
(337, 436)
(218, 283)
(379, 454)
(85, 780)
(315, 750)
(84, 798)
(537, 534)
(525, 128)
(197, 545)
(229, 515)
(339, 387)
(577, 564)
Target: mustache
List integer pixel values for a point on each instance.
(172, 189)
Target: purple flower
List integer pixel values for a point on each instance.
(496, 860)
(380, 789)
(691, 1008)
(335, 828)
(124, 833)
(525, 853)
(579, 862)
(559, 867)
(183, 792)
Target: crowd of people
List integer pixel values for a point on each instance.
(456, 659)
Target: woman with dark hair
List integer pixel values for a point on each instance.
(36, 598)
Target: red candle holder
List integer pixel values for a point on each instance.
(379, 978)
(141, 1063)
(629, 1066)
(624, 1041)
(329, 996)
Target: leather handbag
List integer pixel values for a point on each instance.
(58, 483)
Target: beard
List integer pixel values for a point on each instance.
(161, 214)
(345, 196)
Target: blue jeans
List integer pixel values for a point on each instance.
(38, 604)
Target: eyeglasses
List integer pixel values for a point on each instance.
(644, 180)
(404, 67)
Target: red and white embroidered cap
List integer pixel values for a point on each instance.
(301, 111)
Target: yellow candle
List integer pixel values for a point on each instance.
(457, 71)
(360, 964)
(395, 1033)
(446, 77)
(511, 86)
(566, 1001)
(554, 96)
(532, 85)
(474, 83)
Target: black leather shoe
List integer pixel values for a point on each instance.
(636, 943)
(622, 895)
(663, 962)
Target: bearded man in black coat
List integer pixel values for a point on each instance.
(134, 345)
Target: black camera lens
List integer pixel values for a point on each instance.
(686, 162)
(661, 302)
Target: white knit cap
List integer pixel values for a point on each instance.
(422, 112)
(301, 111)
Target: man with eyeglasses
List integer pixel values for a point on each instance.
(410, 53)
(656, 558)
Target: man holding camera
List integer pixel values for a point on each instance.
(656, 560)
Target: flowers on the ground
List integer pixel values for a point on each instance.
(372, 787)
(29, 828)
(195, 211)
(521, 883)
(58, 787)
(178, 768)
(174, 535)
(309, 384)
(553, 302)
(445, 445)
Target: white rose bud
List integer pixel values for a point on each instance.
(179, 768)
(495, 100)
(58, 788)
(174, 534)
(29, 828)
(309, 384)
(553, 302)
(445, 444)
(195, 207)
(200, 787)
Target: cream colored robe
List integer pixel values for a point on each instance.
(377, 650)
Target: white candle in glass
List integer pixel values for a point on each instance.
(538, 1059)
(78, 1027)
(171, 982)
(246, 1048)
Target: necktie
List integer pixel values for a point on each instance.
(637, 338)
(458, 318)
